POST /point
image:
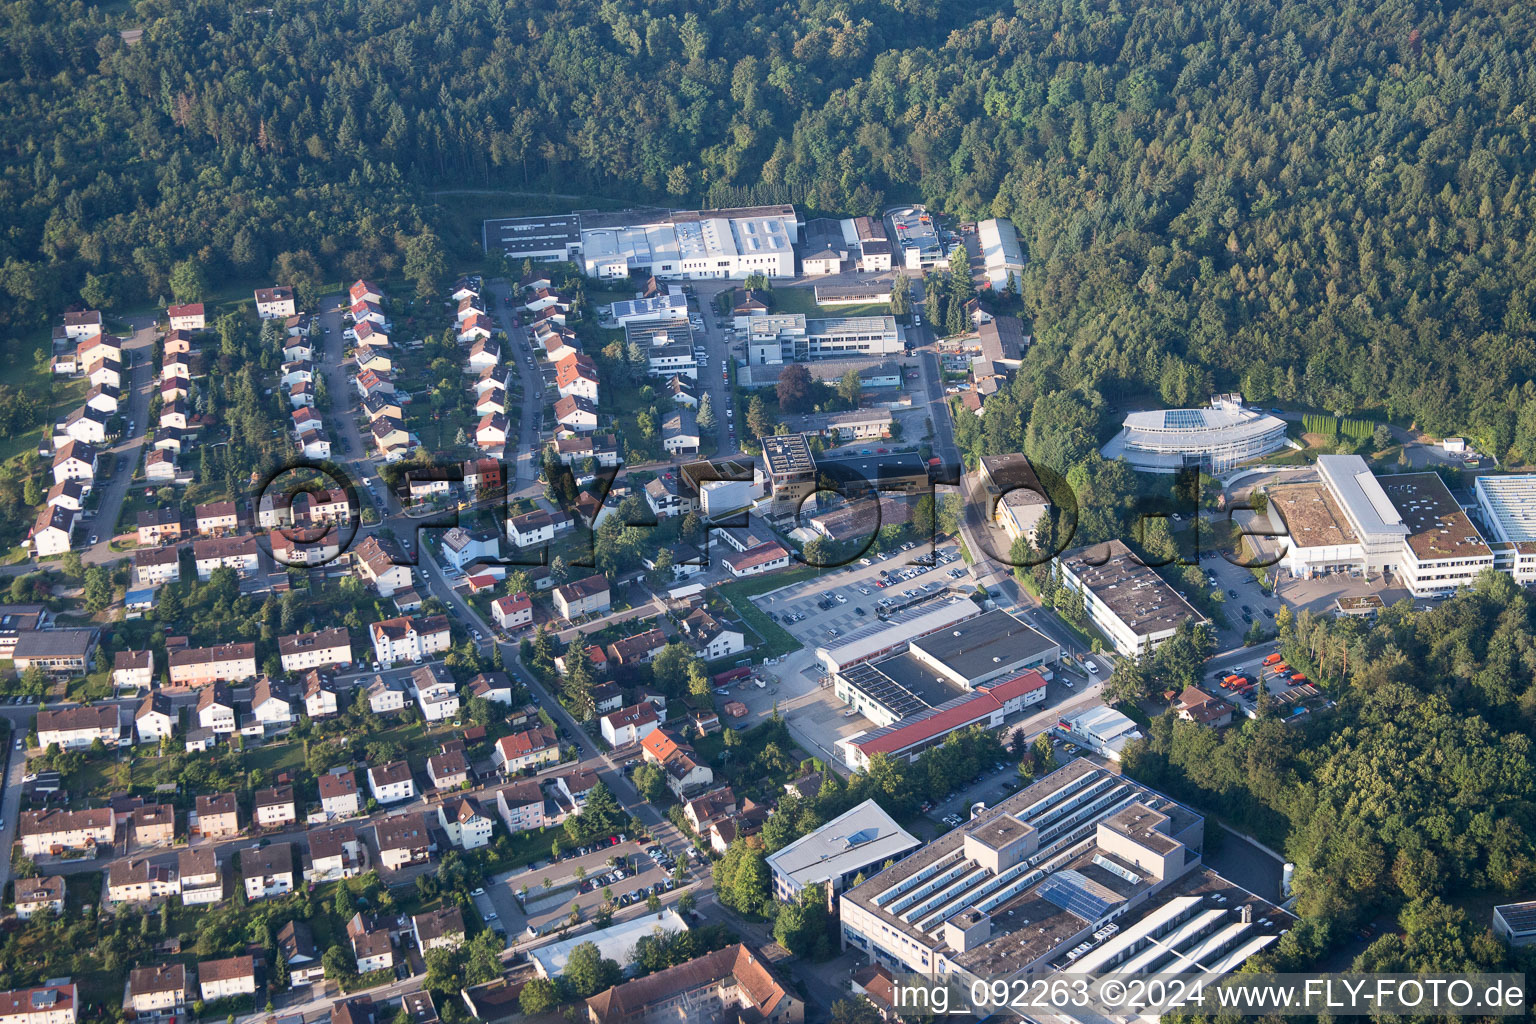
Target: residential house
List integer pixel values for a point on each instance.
(52, 531)
(52, 831)
(157, 991)
(296, 945)
(137, 880)
(159, 525)
(373, 950)
(527, 749)
(75, 460)
(241, 554)
(628, 726)
(404, 840)
(200, 666)
(1195, 705)
(319, 649)
(466, 825)
(536, 527)
(68, 494)
(576, 377)
(227, 979)
(77, 728)
(521, 805)
(711, 806)
(201, 880)
(588, 596)
(156, 566)
(39, 896)
(385, 695)
(218, 816)
(391, 783)
(338, 794)
(275, 302)
(449, 767)
(709, 638)
(160, 467)
(382, 563)
(636, 650)
(686, 773)
(334, 853)
(495, 687)
(576, 414)
(513, 612)
(153, 825)
(408, 638)
(276, 807)
(732, 983)
(217, 518)
(438, 929)
(322, 699)
(491, 431)
(155, 719)
(267, 870)
(435, 693)
(680, 432)
(271, 704)
(462, 546)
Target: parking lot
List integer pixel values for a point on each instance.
(844, 598)
(617, 871)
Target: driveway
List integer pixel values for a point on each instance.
(140, 348)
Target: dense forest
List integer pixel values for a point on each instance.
(1418, 789)
(1327, 204)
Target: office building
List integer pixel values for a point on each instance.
(1212, 440)
(1507, 507)
(839, 851)
(1128, 602)
(990, 646)
(1084, 870)
(894, 632)
(794, 338)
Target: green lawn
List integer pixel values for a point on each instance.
(775, 640)
(803, 300)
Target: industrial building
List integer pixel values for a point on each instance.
(552, 239)
(1213, 440)
(1000, 252)
(1128, 602)
(1085, 870)
(987, 647)
(884, 636)
(1507, 507)
(835, 854)
(1515, 923)
(911, 725)
(1407, 524)
(1100, 728)
(691, 244)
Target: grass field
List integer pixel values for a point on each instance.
(775, 640)
(803, 300)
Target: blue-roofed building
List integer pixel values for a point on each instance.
(137, 602)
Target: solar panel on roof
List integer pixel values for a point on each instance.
(1183, 419)
(1077, 894)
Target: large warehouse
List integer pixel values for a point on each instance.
(1407, 524)
(1213, 440)
(1085, 870)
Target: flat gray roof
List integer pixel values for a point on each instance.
(852, 841)
(978, 646)
(531, 235)
(1364, 502)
